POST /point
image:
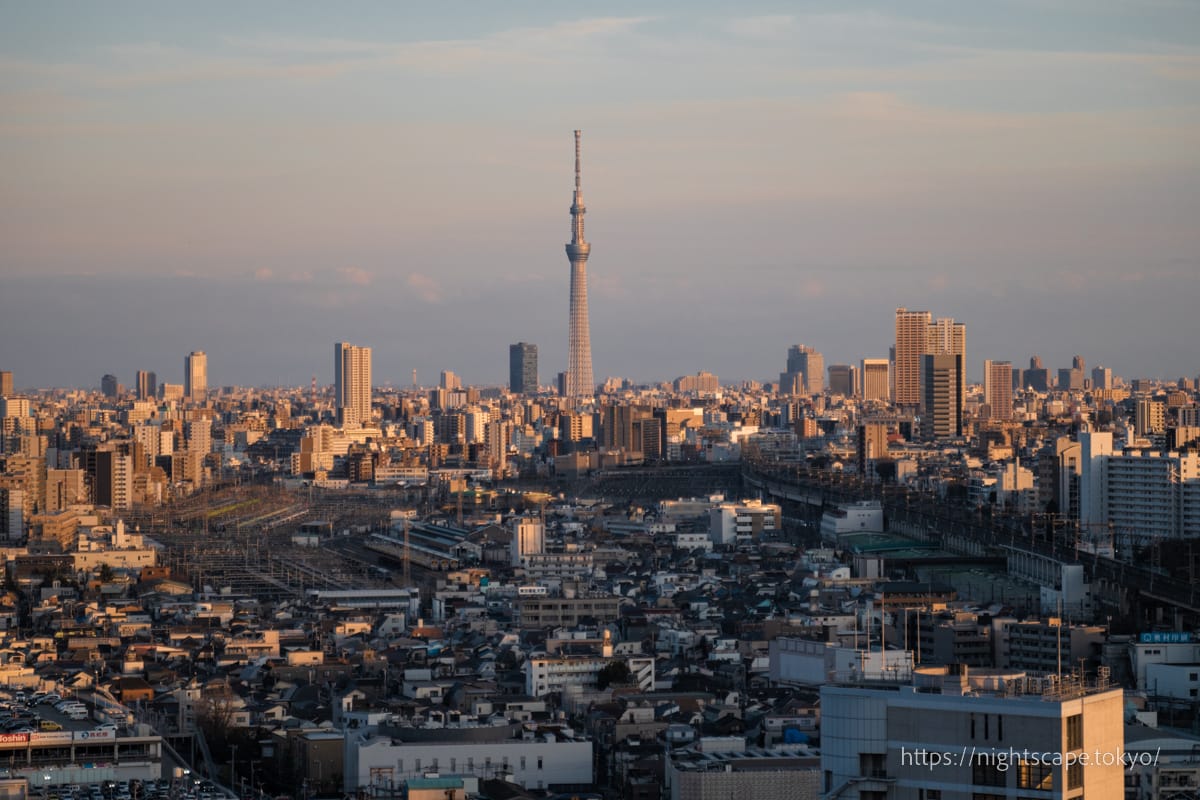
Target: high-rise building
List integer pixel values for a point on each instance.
(1037, 377)
(876, 384)
(947, 337)
(805, 368)
(352, 384)
(6, 383)
(109, 385)
(195, 377)
(842, 379)
(580, 383)
(1102, 378)
(941, 392)
(522, 368)
(912, 332)
(450, 381)
(147, 385)
(998, 388)
(1150, 417)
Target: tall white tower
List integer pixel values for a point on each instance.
(579, 351)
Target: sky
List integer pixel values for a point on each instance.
(261, 180)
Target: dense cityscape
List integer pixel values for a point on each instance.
(925, 572)
(680, 590)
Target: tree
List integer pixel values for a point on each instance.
(613, 673)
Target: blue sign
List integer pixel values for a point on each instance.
(1166, 637)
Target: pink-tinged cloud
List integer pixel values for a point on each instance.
(356, 276)
(425, 287)
(263, 274)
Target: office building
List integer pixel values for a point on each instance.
(843, 379)
(700, 383)
(998, 389)
(352, 385)
(6, 383)
(947, 337)
(876, 737)
(876, 381)
(109, 386)
(522, 368)
(941, 396)
(912, 331)
(449, 381)
(580, 383)
(805, 371)
(1070, 380)
(147, 385)
(1150, 417)
(872, 446)
(1102, 378)
(195, 377)
(1037, 377)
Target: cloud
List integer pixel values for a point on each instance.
(425, 288)
(262, 274)
(356, 276)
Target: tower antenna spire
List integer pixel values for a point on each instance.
(579, 346)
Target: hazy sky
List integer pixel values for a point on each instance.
(260, 180)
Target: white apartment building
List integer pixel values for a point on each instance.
(730, 523)
(549, 674)
(380, 764)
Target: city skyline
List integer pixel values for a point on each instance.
(260, 183)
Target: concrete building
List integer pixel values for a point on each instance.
(997, 734)
(998, 388)
(942, 388)
(379, 763)
(730, 523)
(876, 380)
(843, 379)
(864, 516)
(547, 674)
(147, 385)
(912, 329)
(529, 538)
(701, 772)
(523, 368)
(352, 384)
(805, 368)
(195, 377)
(1150, 417)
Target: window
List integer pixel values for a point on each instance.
(1035, 776)
(470, 763)
(418, 766)
(1000, 727)
(453, 763)
(522, 763)
(539, 762)
(1075, 776)
(1192, 676)
(1075, 731)
(972, 726)
(985, 774)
